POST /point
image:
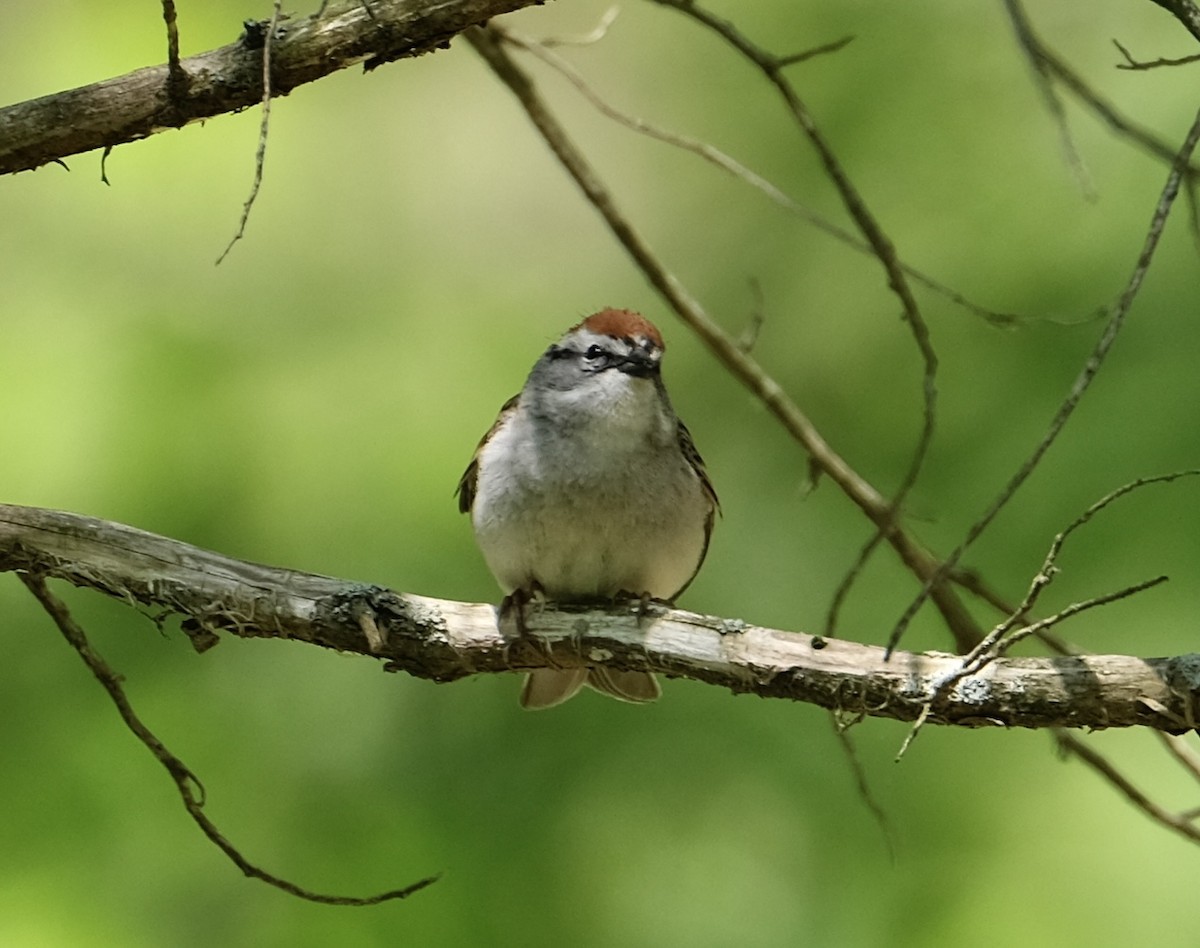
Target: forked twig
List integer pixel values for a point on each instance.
(963, 627)
(716, 157)
(1142, 65)
(725, 348)
(972, 664)
(1042, 75)
(1002, 637)
(1007, 633)
(1047, 62)
(1091, 367)
(191, 791)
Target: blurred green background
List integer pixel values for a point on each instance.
(312, 401)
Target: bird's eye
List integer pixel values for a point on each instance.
(594, 352)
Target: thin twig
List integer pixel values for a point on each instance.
(963, 627)
(999, 640)
(1069, 744)
(975, 584)
(1091, 367)
(730, 165)
(1041, 72)
(743, 367)
(1139, 65)
(1183, 754)
(176, 77)
(849, 578)
(260, 154)
(841, 730)
(191, 791)
(824, 49)
(1052, 64)
(978, 659)
(591, 37)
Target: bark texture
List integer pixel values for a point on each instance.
(445, 640)
(133, 106)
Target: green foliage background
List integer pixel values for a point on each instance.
(312, 401)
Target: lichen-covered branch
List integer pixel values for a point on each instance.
(444, 640)
(228, 79)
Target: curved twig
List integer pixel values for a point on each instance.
(726, 349)
(1091, 367)
(191, 791)
(772, 67)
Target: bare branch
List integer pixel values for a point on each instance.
(841, 729)
(260, 154)
(714, 156)
(587, 39)
(446, 641)
(1006, 634)
(1049, 63)
(228, 79)
(1184, 755)
(726, 349)
(1091, 367)
(962, 627)
(1181, 824)
(998, 640)
(1141, 65)
(1042, 75)
(1185, 11)
(176, 77)
(191, 791)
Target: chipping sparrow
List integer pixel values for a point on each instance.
(588, 487)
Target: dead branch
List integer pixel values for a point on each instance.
(1138, 65)
(141, 103)
(1180, 823)
(1048, 64)
(191, 790)
(1185, 11)
(445, 641)
(1091, 367)
(264, 127)
(916, 558)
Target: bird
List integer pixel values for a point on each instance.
(588, 488)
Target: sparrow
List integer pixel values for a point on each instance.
(588, 488)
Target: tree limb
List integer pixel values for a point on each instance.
(922, 563)
(136, 105)
(1185, 11)
(191, 790)
(445, 641)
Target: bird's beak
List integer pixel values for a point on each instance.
(639, 364)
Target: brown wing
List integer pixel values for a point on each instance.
(466, 484)
(688, 448)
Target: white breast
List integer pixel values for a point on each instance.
(587, 516)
